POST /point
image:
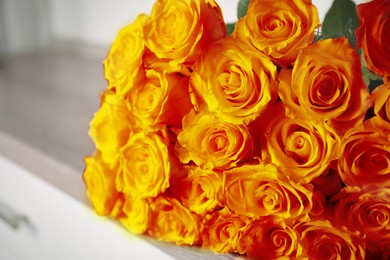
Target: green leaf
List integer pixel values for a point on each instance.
(371, 79)
(230, 28)
(374, 83)
(242, 8)
(349, 31)
(341, 20)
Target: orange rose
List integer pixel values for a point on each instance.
(302, 149)
(99, 179)
(144, 166)
(260, 190)
(212, 143)
(381, 100)
(320, 240)
(328, 183)
(269, 238)
(200, 191)
(158, 100)
(368, 211)
(136, 214)
(171, 222)
(279, 28)
(365, 155)
(179, 31)
(124, 61)
(223, 230)
(326, 84)
(233, 81)
(373, 35)
(110, 127)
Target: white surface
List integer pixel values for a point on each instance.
(60, 227)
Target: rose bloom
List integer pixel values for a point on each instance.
(200, 191)
(279, 28)
(179, 31)
(212, 143)
(302, 149)
(260, 190)
(373, 35)
(381, 100)
(171, 222)
(136, 213)
(368, 211)
(365, 154)
(269, 238)
(326, 84)
(99, 179)
(320, 240)
(144, 165)
(318, 209)
(328, 183)
(123, 62)
(159, 100)
(110, 126)
(222, 230)
(234, 81)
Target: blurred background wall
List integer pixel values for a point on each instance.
(24, 25)
(31, 24)
(27, 24)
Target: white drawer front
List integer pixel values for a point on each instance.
(59, 227)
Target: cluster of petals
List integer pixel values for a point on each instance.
(262, 143)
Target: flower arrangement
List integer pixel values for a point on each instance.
(270, 140)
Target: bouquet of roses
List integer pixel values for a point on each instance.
(270, 140)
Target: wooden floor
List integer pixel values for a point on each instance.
(47, 99)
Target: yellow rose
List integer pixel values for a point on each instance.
(269, 238)
(381, 99)
(144, 166)
(178, 31)
(152, 62)
(365, 155)
(368, 211)
(326, 84)
(233, 81)
(136, 214)
(260, 190)
(223, 230)
(124, 61)
(212, 143)
(200, 191)
(99, 179)
(110, 127)
(302, 149)
(373, 35)
(279, 28)
(320, 240)
(171, 222)
(159, 100)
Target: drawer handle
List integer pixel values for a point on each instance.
(10, 216)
